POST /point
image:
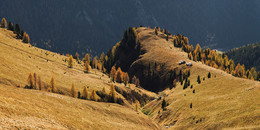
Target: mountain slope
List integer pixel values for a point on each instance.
(248, 55)
(86, 25)
(34, 109)
(219, 102)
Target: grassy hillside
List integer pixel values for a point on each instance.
(222, 101)
(248, 55)
(33, 109)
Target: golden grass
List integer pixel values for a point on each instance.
(221, 102)
(23, 108)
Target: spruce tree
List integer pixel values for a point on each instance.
(10, 26)
(209, 75)
(164, 104)
(17, 29)
(198, 79)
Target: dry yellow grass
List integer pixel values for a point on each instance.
(221, 102)
(23, 108)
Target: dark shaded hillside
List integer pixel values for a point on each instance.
(85, 25)
(249, 55)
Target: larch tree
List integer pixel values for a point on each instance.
(73, 91)
(39, 82)
(87, 67)
(3, 23)
(35, 81)
(86, 58)
(85, 94)
(93, 95)
(26, 38)
(119, 75)
(113, 73)
(30, 81)
(112, 93)
(70, 61)
(52, 88)
(126, 78)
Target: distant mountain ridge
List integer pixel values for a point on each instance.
(95, 26)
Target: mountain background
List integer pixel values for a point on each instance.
(95, 26)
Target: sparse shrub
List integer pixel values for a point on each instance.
(3, 23)
(198, 79)
(191, 86)
(73, 91)
(164, 104)
(193, 91)
(190, 105)
(209, 75)
(70, 61)
(203, 78)
(93, 95)
(52, 87)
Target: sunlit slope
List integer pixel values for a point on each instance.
(32, 109)
(222, 101)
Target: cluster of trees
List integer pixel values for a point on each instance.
(248, 55)
(93, 95)
(214, 59)
(34, 82)
(20, 34)
(119, 76)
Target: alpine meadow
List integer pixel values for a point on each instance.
(142, 65)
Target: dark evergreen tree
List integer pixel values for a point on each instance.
(11, 26)
(209, 75)
(164, 104)
(198, 79)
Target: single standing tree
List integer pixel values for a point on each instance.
(126, 78)
(3, 23)
(209, 75)
(85, 94)
(198, 79)
(73, 91)
(112, 93)
(17, 29)
(164, 104)
(52, 87)
(86, 58)
(26, 38)
(113, 73)
(30, 81)
(87, 67)
(70, 61)
(11, 26)
(119, 75)
(39, 83)
(35, 80)
(93, 95)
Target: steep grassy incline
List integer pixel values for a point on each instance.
(34, 109)
(222, 101)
